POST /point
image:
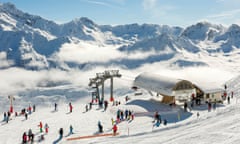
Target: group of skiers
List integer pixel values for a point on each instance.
(25, 112)
(6, 116)
(114, 128)
(124, 115)
(158, 120)
(29, 138)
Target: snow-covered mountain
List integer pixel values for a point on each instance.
(33, 42)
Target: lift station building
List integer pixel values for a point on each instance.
(173, 90)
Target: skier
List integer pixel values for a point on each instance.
(70, 107)
(112, 121)
(60, 133)
(4, 116)
(198, 114)
(100, 127)
(29, 109)
(121, 115)
(126, 114)
(165, 122)
(156, 116)
(70, 130)
(228, 98)
(126, 98)
(7, 119)
(105, 105)
(34, 108)
(30, 135)
(24, 138)
(129, 115)
(40, 127)
(55, 106)
(26, 115)
(185, 106)
(115, 129)
(132, 115)
(157, 124)
(209, 106)
(232, 94)
(46, 128)
(8, 114)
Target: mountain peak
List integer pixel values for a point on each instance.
(202, 30)
(10, 8)
(83, 21)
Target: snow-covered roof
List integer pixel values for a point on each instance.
(157, 83)
(164, 85)
(209, 87)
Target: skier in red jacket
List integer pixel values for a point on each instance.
(115, 129)
(70, 107)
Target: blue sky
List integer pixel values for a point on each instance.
(171, 12)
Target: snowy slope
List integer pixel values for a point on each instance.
(219, 126)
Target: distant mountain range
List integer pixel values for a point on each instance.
(30, 42)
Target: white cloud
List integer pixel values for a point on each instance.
(141, 55)
(84, 52)
(149, 4)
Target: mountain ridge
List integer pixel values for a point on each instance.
(46, 39)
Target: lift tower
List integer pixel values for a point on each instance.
(99, 81)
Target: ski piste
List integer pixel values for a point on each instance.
(92, 136)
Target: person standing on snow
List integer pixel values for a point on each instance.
(30, 134)
(46, 128)
(157, 124)
(40, 127)
(100, 127)
(24, 138)
(209, 106)
(105, 105)
(70, 130)
(29, 109)
(86, 107)
(26, 115)
(70, 107)
(112, 121)
(115, 129)
(55, 107)
(165, 122)
(34, 108)
(61, 133)
(4, 116)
